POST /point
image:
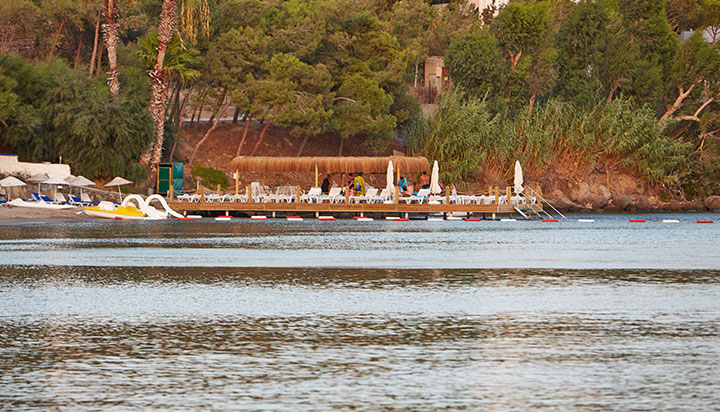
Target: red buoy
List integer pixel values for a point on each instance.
(549, 220)
(473, 219)
(637, 220)
(185, 218)
(704, 221)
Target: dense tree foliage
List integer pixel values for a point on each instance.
(601, 84)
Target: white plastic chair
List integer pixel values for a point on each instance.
(311, 196)
(335, 195)
(367, 197)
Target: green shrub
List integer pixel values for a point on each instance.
(210, 177)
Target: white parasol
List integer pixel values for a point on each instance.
(435, 179)
(11, 181)
(518, 178)
(82, 181)
(55, 181)
(390, 178)
(38, 178)
(118, 181)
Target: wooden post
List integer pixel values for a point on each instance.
(507, 193)
(297, 193)
(490, 192)
(249, 194)
(539, 193)
(237, 182)
(347, 196)
(497, 196)
(202, 193)
(447, 195)
(397, 194)
(218, 189)
(316, 176)
(170, 193)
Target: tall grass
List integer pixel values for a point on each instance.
(465, 138)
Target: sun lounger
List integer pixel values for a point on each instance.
(335, 195)
(312, 196)
(419, 197)
(60, 199)
(85, 198)
(368, 197)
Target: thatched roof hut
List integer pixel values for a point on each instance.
(327, 164)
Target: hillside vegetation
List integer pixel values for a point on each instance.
(569, 89)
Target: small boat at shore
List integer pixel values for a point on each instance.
(109, 210)
(133, 207)
(38, 204)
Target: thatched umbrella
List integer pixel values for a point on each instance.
(118, 181)
(82, 181)
(328, 164)
(38, 178)
(11, 181)
(55, 181)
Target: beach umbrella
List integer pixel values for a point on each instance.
(55, 181)
(390, 178)
(38, 178)
(118, 181)
(11, 181)
(435, 179)
(518, 178)
(82, 181)
(70, 179)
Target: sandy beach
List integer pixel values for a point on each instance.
(27, 213)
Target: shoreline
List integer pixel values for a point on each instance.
(10, 214)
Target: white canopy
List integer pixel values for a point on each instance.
(82, 181)
(11, 181)
(518, 178)
(55, 181)
(118, 181)
(435, 179)
(38, 178)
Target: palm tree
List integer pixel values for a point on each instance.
(193, 13)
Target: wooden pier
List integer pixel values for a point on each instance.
(347, 207)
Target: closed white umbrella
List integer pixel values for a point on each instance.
(518, 178)
(390, 186)
(118, 181)
(435, 179)
(11, 181)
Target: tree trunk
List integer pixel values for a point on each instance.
(220, 113)
(98, 61)
(247, 126)
(612, 92)
(260, 139)
(77, 54)
(302, 145)
(166, 29)
(95, 45)
(416, 72)
(342, 143)
(179, 121)
(57, 38)
(235, 116)
(110, 38)
(682, 94)
(532, 103)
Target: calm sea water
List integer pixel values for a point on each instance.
(345, 315)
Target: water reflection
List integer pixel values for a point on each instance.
(102, 338)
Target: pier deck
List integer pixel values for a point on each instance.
(358, 208)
